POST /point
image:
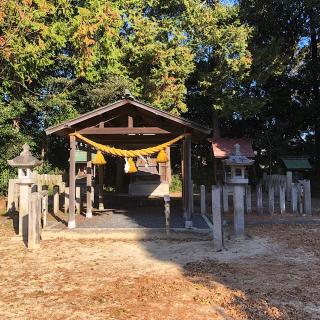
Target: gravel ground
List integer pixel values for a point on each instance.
(273, 274)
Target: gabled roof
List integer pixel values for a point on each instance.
(72, 124)
(223, 147)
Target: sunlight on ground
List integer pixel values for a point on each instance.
(260, 278)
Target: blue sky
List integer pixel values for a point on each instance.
(228, 2)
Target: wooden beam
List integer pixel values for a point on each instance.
(72, 183)
(130, 121)
(124, 130)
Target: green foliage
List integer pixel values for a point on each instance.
(176, 183)
(254, 65)
(5, 176)
(223, 60)
(47, 168)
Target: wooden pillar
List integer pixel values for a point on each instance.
(168, 164)
(101, 174)
(119, 175)
(72, 183)
(187, 180)
(89, 186)
(182, 178)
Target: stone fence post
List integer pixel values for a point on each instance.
(238, 203)
(271, 197)
(225, 198)
(248, 199)
(203, 199)
(44, 207)
(294, 198)
(216, 218)
(34, 226)
(259, 199)
(282, 197)
(55, 199)
(307, 197)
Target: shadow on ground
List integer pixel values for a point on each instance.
(253, 279)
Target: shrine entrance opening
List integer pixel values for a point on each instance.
(127, 125)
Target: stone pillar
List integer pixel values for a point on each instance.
(282, 197)
(44, 207)
(55, 199)
(93, 201)
(294, 198)
(166, 199)
(13, 195)
(300, 198)
(238, 200)
(203, 199)
(78, 200)
(259, 199)
(24, 210)
(271, 197)
(225, 198)
(101, 174)
(66, 200)
(89, 186)
(307, 197)
(248, 199)
(33, 221)
(216, 218)
(289, 183)
(72, 184)
(62, 187)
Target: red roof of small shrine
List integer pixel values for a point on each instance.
(223, 147)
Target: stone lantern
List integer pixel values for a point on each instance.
(25, 163)
(238, 164)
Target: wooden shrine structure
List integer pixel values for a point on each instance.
(128, 124)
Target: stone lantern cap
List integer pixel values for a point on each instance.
(237, 158)
(25, 159)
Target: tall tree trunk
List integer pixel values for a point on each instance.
(216, 124)
(315, 86)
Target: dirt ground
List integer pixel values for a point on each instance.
(274, 274)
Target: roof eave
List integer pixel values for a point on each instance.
(68, 124)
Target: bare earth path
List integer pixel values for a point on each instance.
(272, 275)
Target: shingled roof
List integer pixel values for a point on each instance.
(223, 147)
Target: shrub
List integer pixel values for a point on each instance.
(176, 183)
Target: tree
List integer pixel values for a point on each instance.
(281, 71)
(220, 44)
